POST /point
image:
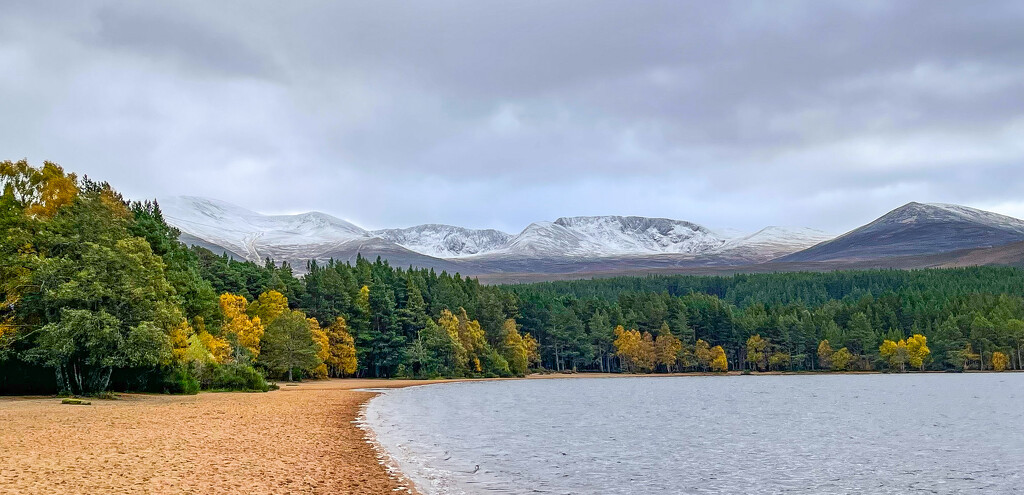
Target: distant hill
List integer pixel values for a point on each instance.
(915, 229)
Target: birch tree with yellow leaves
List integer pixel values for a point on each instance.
(341, 358)
(514, 348)
(719, 362)
(323, 344)
(244, 331)
(667, 348)
(268, 306)
(917, 351)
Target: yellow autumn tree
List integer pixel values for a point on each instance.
(757, 352)
(342, 355)
(44, 190)
(917, 350)
(702, 351)
(627, 345)
(718, 360)
(232, 306)
(268, 306)
(246, 332)
(999, 361)
(825, 354)
(471, 335)
(667, 348)
(323, 347)
(179, 336)
(895, 353)
(532, 350)
(637, 352)
(647, 355)
(450, 324)
(841, 359)
(514, 348)
(219, 349)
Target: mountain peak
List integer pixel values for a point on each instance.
(918, 228)
(914, 212)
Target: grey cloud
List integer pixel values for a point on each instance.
(149, 31)
(736, 114)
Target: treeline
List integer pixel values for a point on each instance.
(99, 294)
(969, 318)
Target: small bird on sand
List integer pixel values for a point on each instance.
(477, 468)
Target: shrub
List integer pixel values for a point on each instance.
(181, 381)
(239, 377)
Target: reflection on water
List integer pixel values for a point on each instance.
(934, 433)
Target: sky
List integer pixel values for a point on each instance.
(498, 114)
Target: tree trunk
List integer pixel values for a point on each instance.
(78, 378)
(289, 373)
(106, 382)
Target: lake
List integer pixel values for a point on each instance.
(896, 433)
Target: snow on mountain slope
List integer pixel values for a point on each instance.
(611, 236)
(445, 241)
(772, 242)
(943, 212)
(296, 238)
(257, 236)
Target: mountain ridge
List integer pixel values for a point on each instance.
(311, 235)
(580, 245)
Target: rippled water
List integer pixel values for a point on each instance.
(914, 433)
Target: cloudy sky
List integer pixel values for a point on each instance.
(496, 114)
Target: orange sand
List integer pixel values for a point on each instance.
(300, 439)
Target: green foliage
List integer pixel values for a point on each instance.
(236, 377)
(99, 293)
(288, 345)
(181, 381)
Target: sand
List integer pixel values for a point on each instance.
(300, 439)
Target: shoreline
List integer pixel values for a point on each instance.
(303, 438)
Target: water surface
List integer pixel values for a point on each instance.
(912, 433)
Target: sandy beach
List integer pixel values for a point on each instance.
(299, 439)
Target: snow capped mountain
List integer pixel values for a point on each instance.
(445, 241)
(772, 242)
(611, 236)
(566, 242)
(256, 236)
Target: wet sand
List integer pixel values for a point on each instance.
(300, 439)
